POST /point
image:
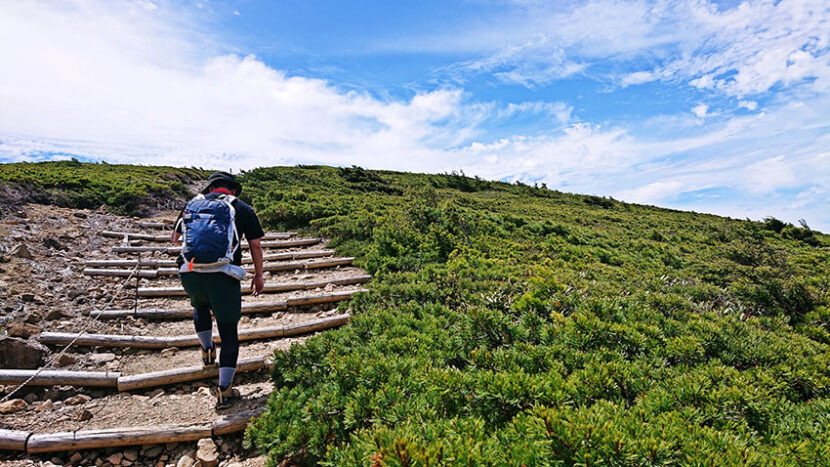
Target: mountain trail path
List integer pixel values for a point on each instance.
(131, 388)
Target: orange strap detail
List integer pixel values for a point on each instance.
(190, 265)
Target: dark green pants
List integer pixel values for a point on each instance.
(216, 290)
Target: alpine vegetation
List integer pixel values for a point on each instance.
(508, 324)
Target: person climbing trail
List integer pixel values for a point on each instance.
(210, 228)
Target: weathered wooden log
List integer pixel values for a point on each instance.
(166, 238)
(176, 250)
(14, 440)
(115, 340)
(322, 298)
(265, 307)
(171, 263)
(164, 224)
(269, 288)
(272, 267)
(61, 377)
(235, 422)
(92, 439)
(180, 375)
(143, 273)
(158, 342)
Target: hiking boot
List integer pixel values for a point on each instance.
(225, 397)
(209, 356)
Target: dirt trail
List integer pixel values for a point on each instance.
(44, 289)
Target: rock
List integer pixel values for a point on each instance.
(12, 406)
(76, 458)
(79, 215)
(66, 360)
(56, 460)
(45, 406)
(131, 454)
(55, 314)
(85, 415)
(33, 317)
(20, 354)
(22, 329)
(54, 244)
(157, 393)
(206, 453)
(76, 400)
(185, 461)
(152, 452)
(27, 297)
(169, 351)
(31, 397)
(21, 251)
(100, 358)
(115, 459)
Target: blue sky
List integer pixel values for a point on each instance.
(716, 107)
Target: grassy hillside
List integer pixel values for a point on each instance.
(508, 324)
(123, 189)
(514, 325)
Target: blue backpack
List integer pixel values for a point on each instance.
(209, 236)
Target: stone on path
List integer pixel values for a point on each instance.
(185, 461)
(17, 353)
(115, 459)
(207, 455)
(22, 329)
(131, 454)
(77, 400)
(100, 358)
(152, 452)
(21, 251)
(12, 406)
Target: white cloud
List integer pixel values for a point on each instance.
(652, 193)
(638, 77)
(748, 105)
(740, 51)
(128, 84)
(700, 110)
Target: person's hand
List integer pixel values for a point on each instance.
(175, 237)
(258, 284)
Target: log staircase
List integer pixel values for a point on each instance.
(304, 277)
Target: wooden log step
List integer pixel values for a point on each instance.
(125, 382)
(132, 436)
(176, 250)
(269, 288)
(158, 342)
(171, 263)
(92, 439)
(166, 238)
(232, 423)
(13, 440)
(273, 267)
(181, 375)
(266, 307)
(61, 377)
(164, 224)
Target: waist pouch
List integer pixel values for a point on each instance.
(232, 270)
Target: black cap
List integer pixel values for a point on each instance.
(225, 177)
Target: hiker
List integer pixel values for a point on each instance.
(211, 227)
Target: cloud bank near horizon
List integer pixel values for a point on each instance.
(150, 83)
